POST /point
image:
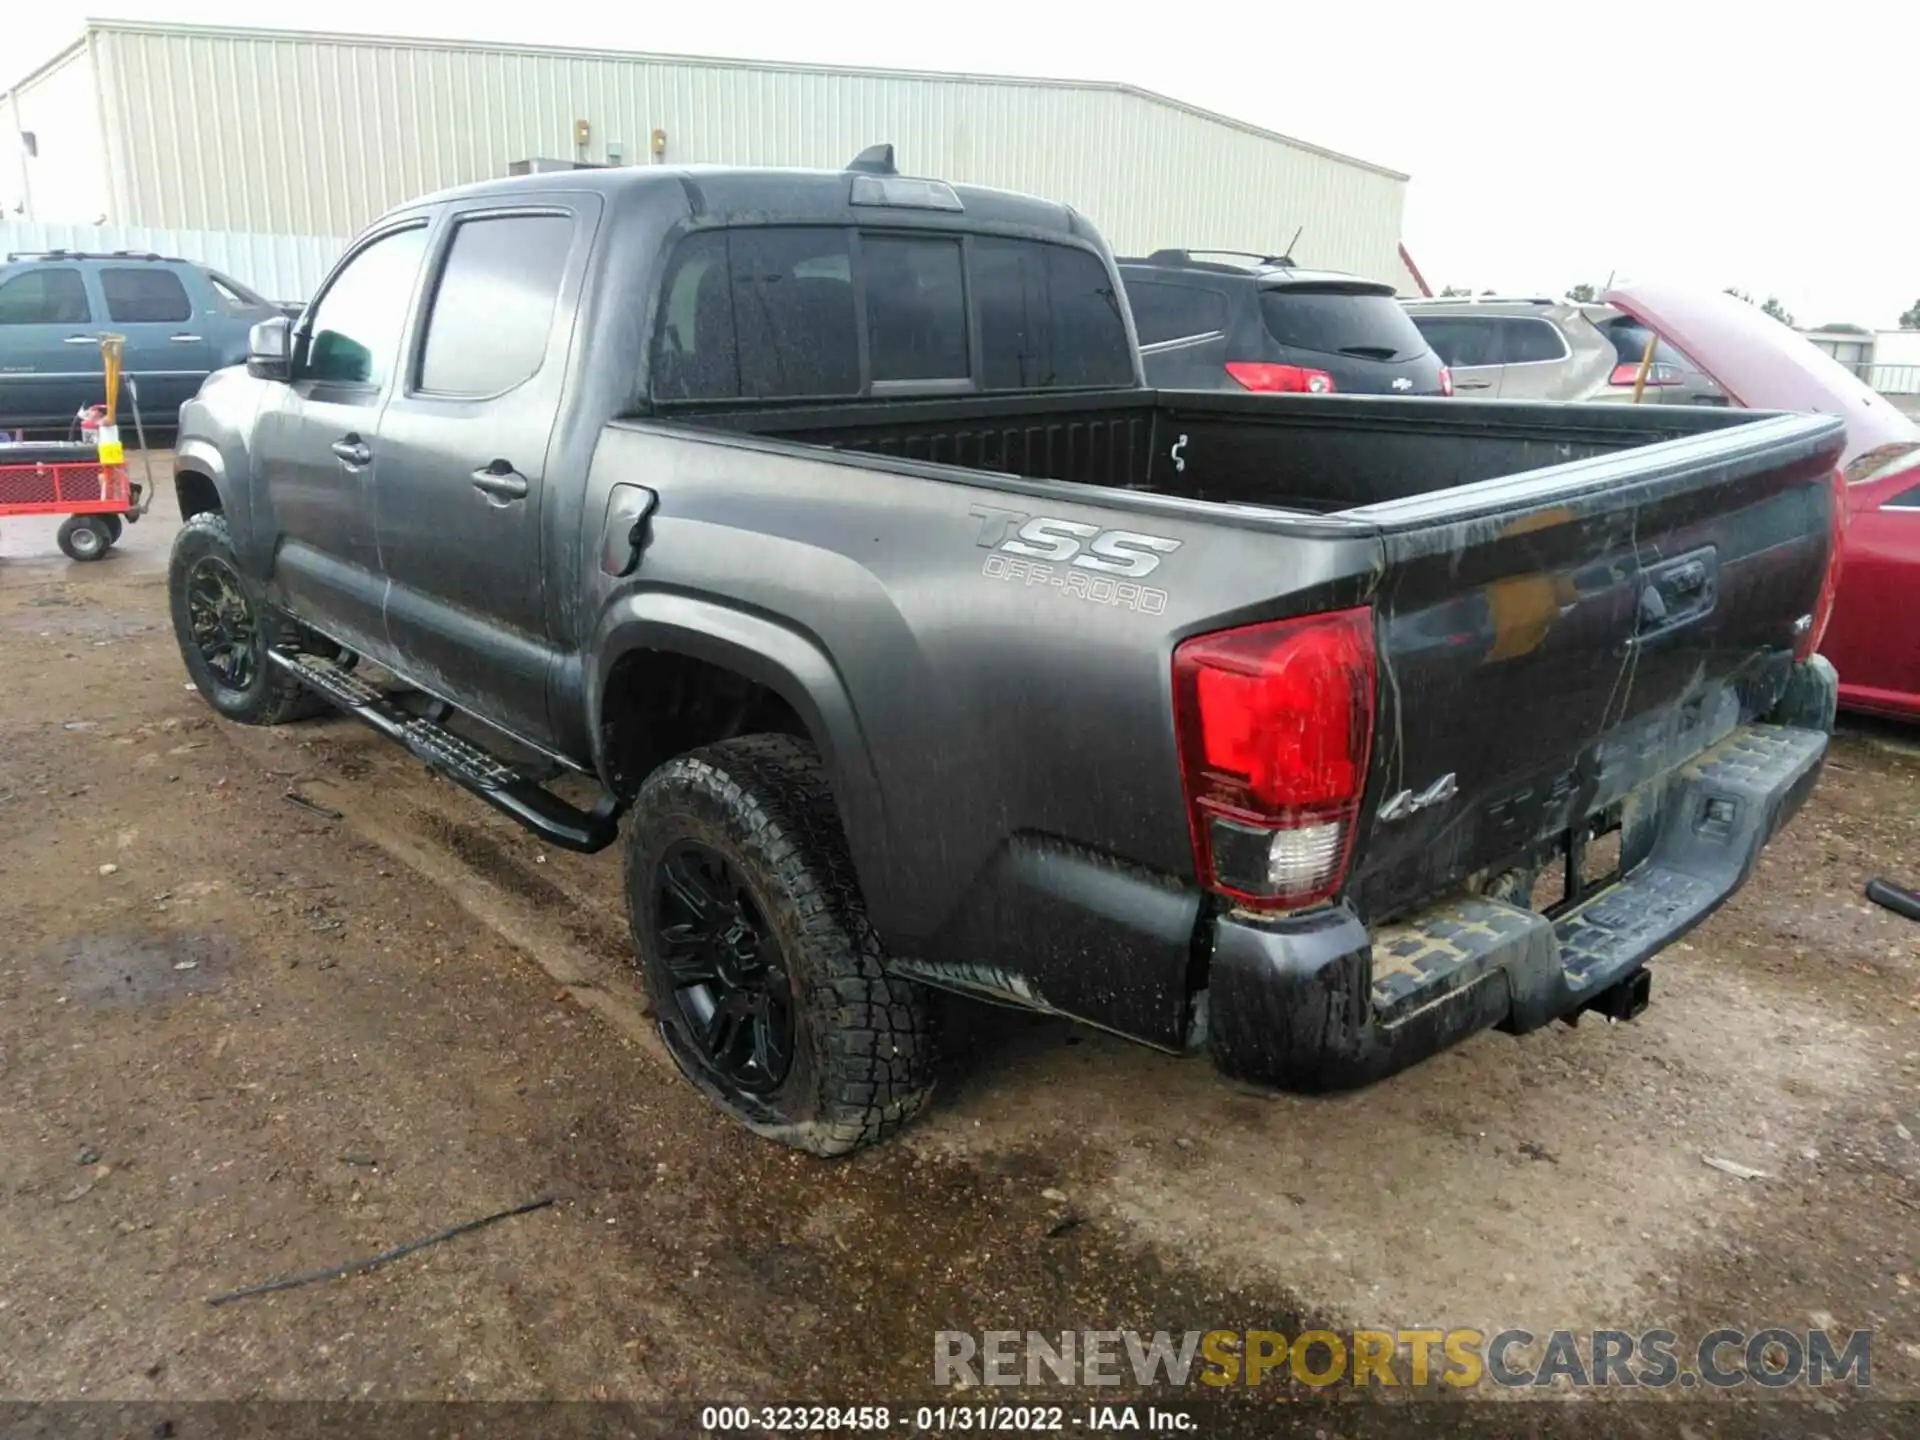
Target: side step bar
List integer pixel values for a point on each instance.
(515, 795)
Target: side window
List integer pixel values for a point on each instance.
(1463, 341)
(144, 295)
(1174, 312)
(1905, 500)
(1049, 317)
(1529, 342)
(916, 308)
(235, 298)
(44, 295)
(353, 330)
(493, 308)
(764, 312)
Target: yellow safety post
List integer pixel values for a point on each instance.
(112, 452)
(1646, 364)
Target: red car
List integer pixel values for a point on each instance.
(1873, 637)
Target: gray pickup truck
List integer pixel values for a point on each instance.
(820, 525)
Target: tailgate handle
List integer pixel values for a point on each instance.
(1677, 593)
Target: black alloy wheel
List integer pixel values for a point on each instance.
(730, 981)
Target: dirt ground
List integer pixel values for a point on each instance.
(240, 1038)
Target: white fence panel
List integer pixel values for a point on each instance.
(280, 267)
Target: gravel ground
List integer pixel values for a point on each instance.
(240, 1039)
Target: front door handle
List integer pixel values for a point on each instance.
(83, 340)
(352, 452)
(500, 482)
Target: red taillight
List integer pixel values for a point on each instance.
(1270, 379)
(1809, 643)
(1657, 375)
(1446, 381)
(1274, 723)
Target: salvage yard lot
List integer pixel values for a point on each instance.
(241, 1038)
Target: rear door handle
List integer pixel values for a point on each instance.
(1473, 384)
(352, 452)
(184, 339)
(500, 482)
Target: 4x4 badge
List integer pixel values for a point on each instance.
(1398, 807)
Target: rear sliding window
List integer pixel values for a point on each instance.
(1366, 325)
(1163, 312)
(771, 313)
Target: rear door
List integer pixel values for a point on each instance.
(167, 354)
(1469, 346)
(1183, 333)
(460, 492)
(50, 362)
(1550, 641)
(1534, 360)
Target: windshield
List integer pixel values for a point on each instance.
(1365, 324)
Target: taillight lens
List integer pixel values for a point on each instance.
(1809, 643)
(1446, 381)
(1657, 374)
(1275, 378)
(1274, 724)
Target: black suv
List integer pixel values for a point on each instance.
(1224, 320)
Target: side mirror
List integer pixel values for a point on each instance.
(270, 349)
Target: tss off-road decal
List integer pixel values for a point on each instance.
(1081, 560)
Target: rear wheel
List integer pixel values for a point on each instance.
(115, 528)
(224, 629)
(763, 971)
(85, 537)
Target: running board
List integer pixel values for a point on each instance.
(513, 794)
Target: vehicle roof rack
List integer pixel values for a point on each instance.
(1493, 300)
(874, 160)
(1193, 257)
(88, 255)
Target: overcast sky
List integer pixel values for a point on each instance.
(1549, 143)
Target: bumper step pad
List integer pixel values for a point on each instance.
(558, 821)
(1717, 811)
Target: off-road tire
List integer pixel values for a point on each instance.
(270, 696)
(862, 1052)
(84, 537)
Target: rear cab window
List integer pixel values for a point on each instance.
(45, 295)
(792, 312)
(1340, 320)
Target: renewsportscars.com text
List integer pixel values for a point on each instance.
(1772, 1357)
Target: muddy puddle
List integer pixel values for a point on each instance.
(135, 970)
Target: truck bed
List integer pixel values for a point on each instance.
(1314, 454)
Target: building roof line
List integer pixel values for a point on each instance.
(46, 67)
(1112, 87)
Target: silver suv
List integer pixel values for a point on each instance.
(1540, 349)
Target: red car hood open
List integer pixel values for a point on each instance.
(1763, 364)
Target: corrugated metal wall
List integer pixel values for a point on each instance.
(280, 267)
(318, 135)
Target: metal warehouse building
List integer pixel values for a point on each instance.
(181, 128)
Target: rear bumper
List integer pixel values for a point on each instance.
(1314, 1002)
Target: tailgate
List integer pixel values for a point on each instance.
(1550, 641)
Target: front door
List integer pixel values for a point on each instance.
(461, 479)
(49, 348)
(317, 443)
